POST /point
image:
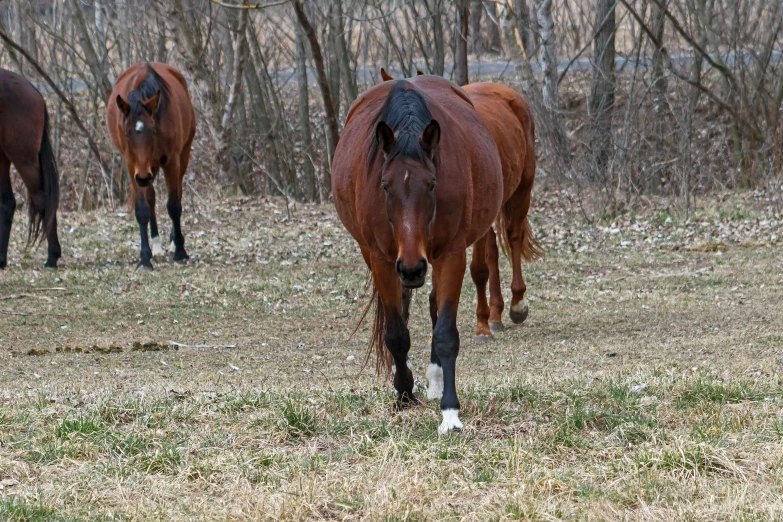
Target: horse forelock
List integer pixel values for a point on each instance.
(407, 113)
(146, 87)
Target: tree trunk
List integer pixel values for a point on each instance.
(476, 41)
(439, 60)
(308, 169)
(346, 73)
(524, 25)
(550, 127)
(602, 92)
(461, 43)
(660, 106)
(333, 130)
(92, 58)
(495, 42)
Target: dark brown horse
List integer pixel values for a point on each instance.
(416, 179)
(508, 117)
(152, 123)
(24, 142)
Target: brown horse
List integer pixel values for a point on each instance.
(152, 123)
(417, 179)
(24, 142)
(508, 117)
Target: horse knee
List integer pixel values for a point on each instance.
(397, 338)
(479, 272)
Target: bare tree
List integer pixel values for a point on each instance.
(461, 43)
(602, 92)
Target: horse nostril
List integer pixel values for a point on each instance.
(400, 268)
(143, 182)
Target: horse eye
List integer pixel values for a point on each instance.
(432, 187)
(385, 187)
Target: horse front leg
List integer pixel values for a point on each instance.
(395, 335)
(174, 207)
(7, 208)
(157, 244)
(143, 218)
(448, 271)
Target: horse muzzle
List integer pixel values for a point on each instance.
(143, 182)
(412, 277)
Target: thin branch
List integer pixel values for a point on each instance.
(249, 6)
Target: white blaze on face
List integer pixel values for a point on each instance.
(450, 422)
(139, 126)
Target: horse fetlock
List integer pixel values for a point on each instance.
(180, 256)
(450, 422)
(519, 311)
(157, 246)
(435, 379)
(144, 266)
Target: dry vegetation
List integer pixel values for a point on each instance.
(645, 385)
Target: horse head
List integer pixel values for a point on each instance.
(408, 180)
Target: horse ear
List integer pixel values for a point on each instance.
(419, 73)
(384, 135)
(123, 105)
(385, 76)
(430, 138)
(152, 103)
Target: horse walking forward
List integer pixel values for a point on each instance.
(151, 121)
(24, 142)
(510, 121)
(417, 179)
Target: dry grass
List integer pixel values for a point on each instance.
(645, 386)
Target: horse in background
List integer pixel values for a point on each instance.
(152, 123)
(25, 143)
(417, 179)
(510, 121)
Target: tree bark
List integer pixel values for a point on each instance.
(660, 106)
(461, 43)
(349, 82)
(94, 62)
(333, 130)
(308, 168)
(550, 127)
(476, 41)
(602, 91)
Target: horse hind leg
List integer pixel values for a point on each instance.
(496, 304)
(479, 272)
(518, 228)
(7, 208)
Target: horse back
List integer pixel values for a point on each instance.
(509, 119)
(22, 111)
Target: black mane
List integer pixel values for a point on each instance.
(152, 84)
(406, 112)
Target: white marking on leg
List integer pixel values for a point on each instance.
(435, 379)
(410, 367)
(450, 422)
(157, 246)
(520, 307)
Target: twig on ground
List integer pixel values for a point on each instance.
(215, 346)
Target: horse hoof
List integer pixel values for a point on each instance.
(52, 264)
(450, 422)
(519, 311)
(144, 267)
(481, 339)
(496, 327)
(181, 258)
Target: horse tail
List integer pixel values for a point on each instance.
(43, 219)
(383, 357)
(531, 249)
(501, 230)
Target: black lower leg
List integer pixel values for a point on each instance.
(7, 209)
(143, 218)
(175, 212)
(445, 346)
(54, 251)
(398, 342)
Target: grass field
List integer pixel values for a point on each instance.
(646, 384)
